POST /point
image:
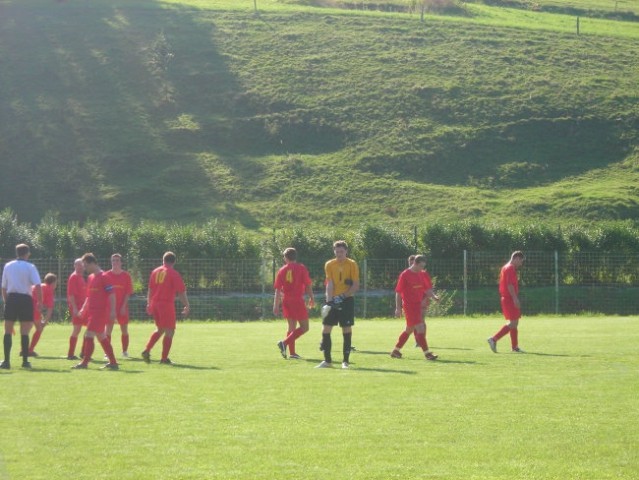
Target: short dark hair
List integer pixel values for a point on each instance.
(420, 259)
(89, 258)
(290, 254)
(340, 243)
(518, 254)
(50, 278)
(169, 257)
(22, 249)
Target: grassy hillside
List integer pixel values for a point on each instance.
(185, 111)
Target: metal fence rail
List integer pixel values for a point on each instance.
(241, 289)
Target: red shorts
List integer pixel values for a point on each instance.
(294, 309)
(97, 321)
(78, 320)
(413, 314)
(164, 314)
(511, 312)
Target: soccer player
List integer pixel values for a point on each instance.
(48, 301)
(123, 288)
(18, 276)
(342, 281)
(510, 306)
(164, 284)
(291, 283)
(76, 295)
(413, 291)
(99, 307)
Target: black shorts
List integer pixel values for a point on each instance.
(19, 307)
(344, 317)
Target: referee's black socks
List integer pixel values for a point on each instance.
(7, 347)
(24, 340)
(347, 345)
(326, 346)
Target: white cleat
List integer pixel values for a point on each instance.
(125, 354)
(492, 344)
(345, 366)
(325, 364)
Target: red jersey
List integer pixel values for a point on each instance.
(508, 276)
(98, 292)
(164, 283)
(292, 279)
(47, 299)
(76, 288)
(122, 286)
(413, 285)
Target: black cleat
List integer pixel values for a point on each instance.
(5, 365)
(26, 365)
(110, 366)
(282, 347)
(73, 357)
(166, 361)
(146, 356)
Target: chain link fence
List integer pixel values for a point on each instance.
(241, 289)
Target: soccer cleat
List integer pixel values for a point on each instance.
(518, 350)
(345, 366)
(396, 354)
(166, 361)
(125, 354)
(146, 356)
(26, 365)
(294, 356)
(5, 365)
(79, 366)
(32, 354)
(73, 357)
(431, 356)
(282, 347)
(353, 349)
(492, 344)
(110, 366)
(325, 364)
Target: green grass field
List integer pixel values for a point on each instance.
(233, 408)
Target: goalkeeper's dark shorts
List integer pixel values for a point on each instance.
(344, 317)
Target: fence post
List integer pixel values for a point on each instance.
(465, 281)
(556, 283)
(263, 285)
(365, 274)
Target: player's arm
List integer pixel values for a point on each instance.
(185, 302)
(330, 288)
(277, 301)
(398, 304)
(309, 293)
(125, 304)
(513, 294)
(430, 293)
(112, 303)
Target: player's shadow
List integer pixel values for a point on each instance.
(370, 352)
(190, 367)
(450, 348)
(541, 354)
(386, 370)
(461, 362)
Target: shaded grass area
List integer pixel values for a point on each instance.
(231, 407)
(192, 110)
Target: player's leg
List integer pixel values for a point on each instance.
(290, 341)
(124, 329)
(105, 342)
(420, 332)
(73, 340)
(295, 334)
(327, 328)
(39, 328)
(401, 341)
(7, 341)
(87, 348)
(514, 335)
(167, 342)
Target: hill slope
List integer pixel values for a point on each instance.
(172, 111)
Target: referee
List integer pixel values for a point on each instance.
(18, 277)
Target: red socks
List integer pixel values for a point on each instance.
(125, 343)
(421, 341)
(403, 338)
(73, 341)
(155, 336)
(504, 330)
(34, 340)
(87, 350)
(291, 337)
(513, 338)
(108, 349)
(166, 346)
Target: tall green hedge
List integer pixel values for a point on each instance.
(52, 239)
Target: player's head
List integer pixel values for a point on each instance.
(411, 260)
(517, 258)
(290, 254)
(22, 250)
(116, 260)
(169, 258)
(50, 279)
(340, 248)
(78, 266)
(90, 262)
(420, 260)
